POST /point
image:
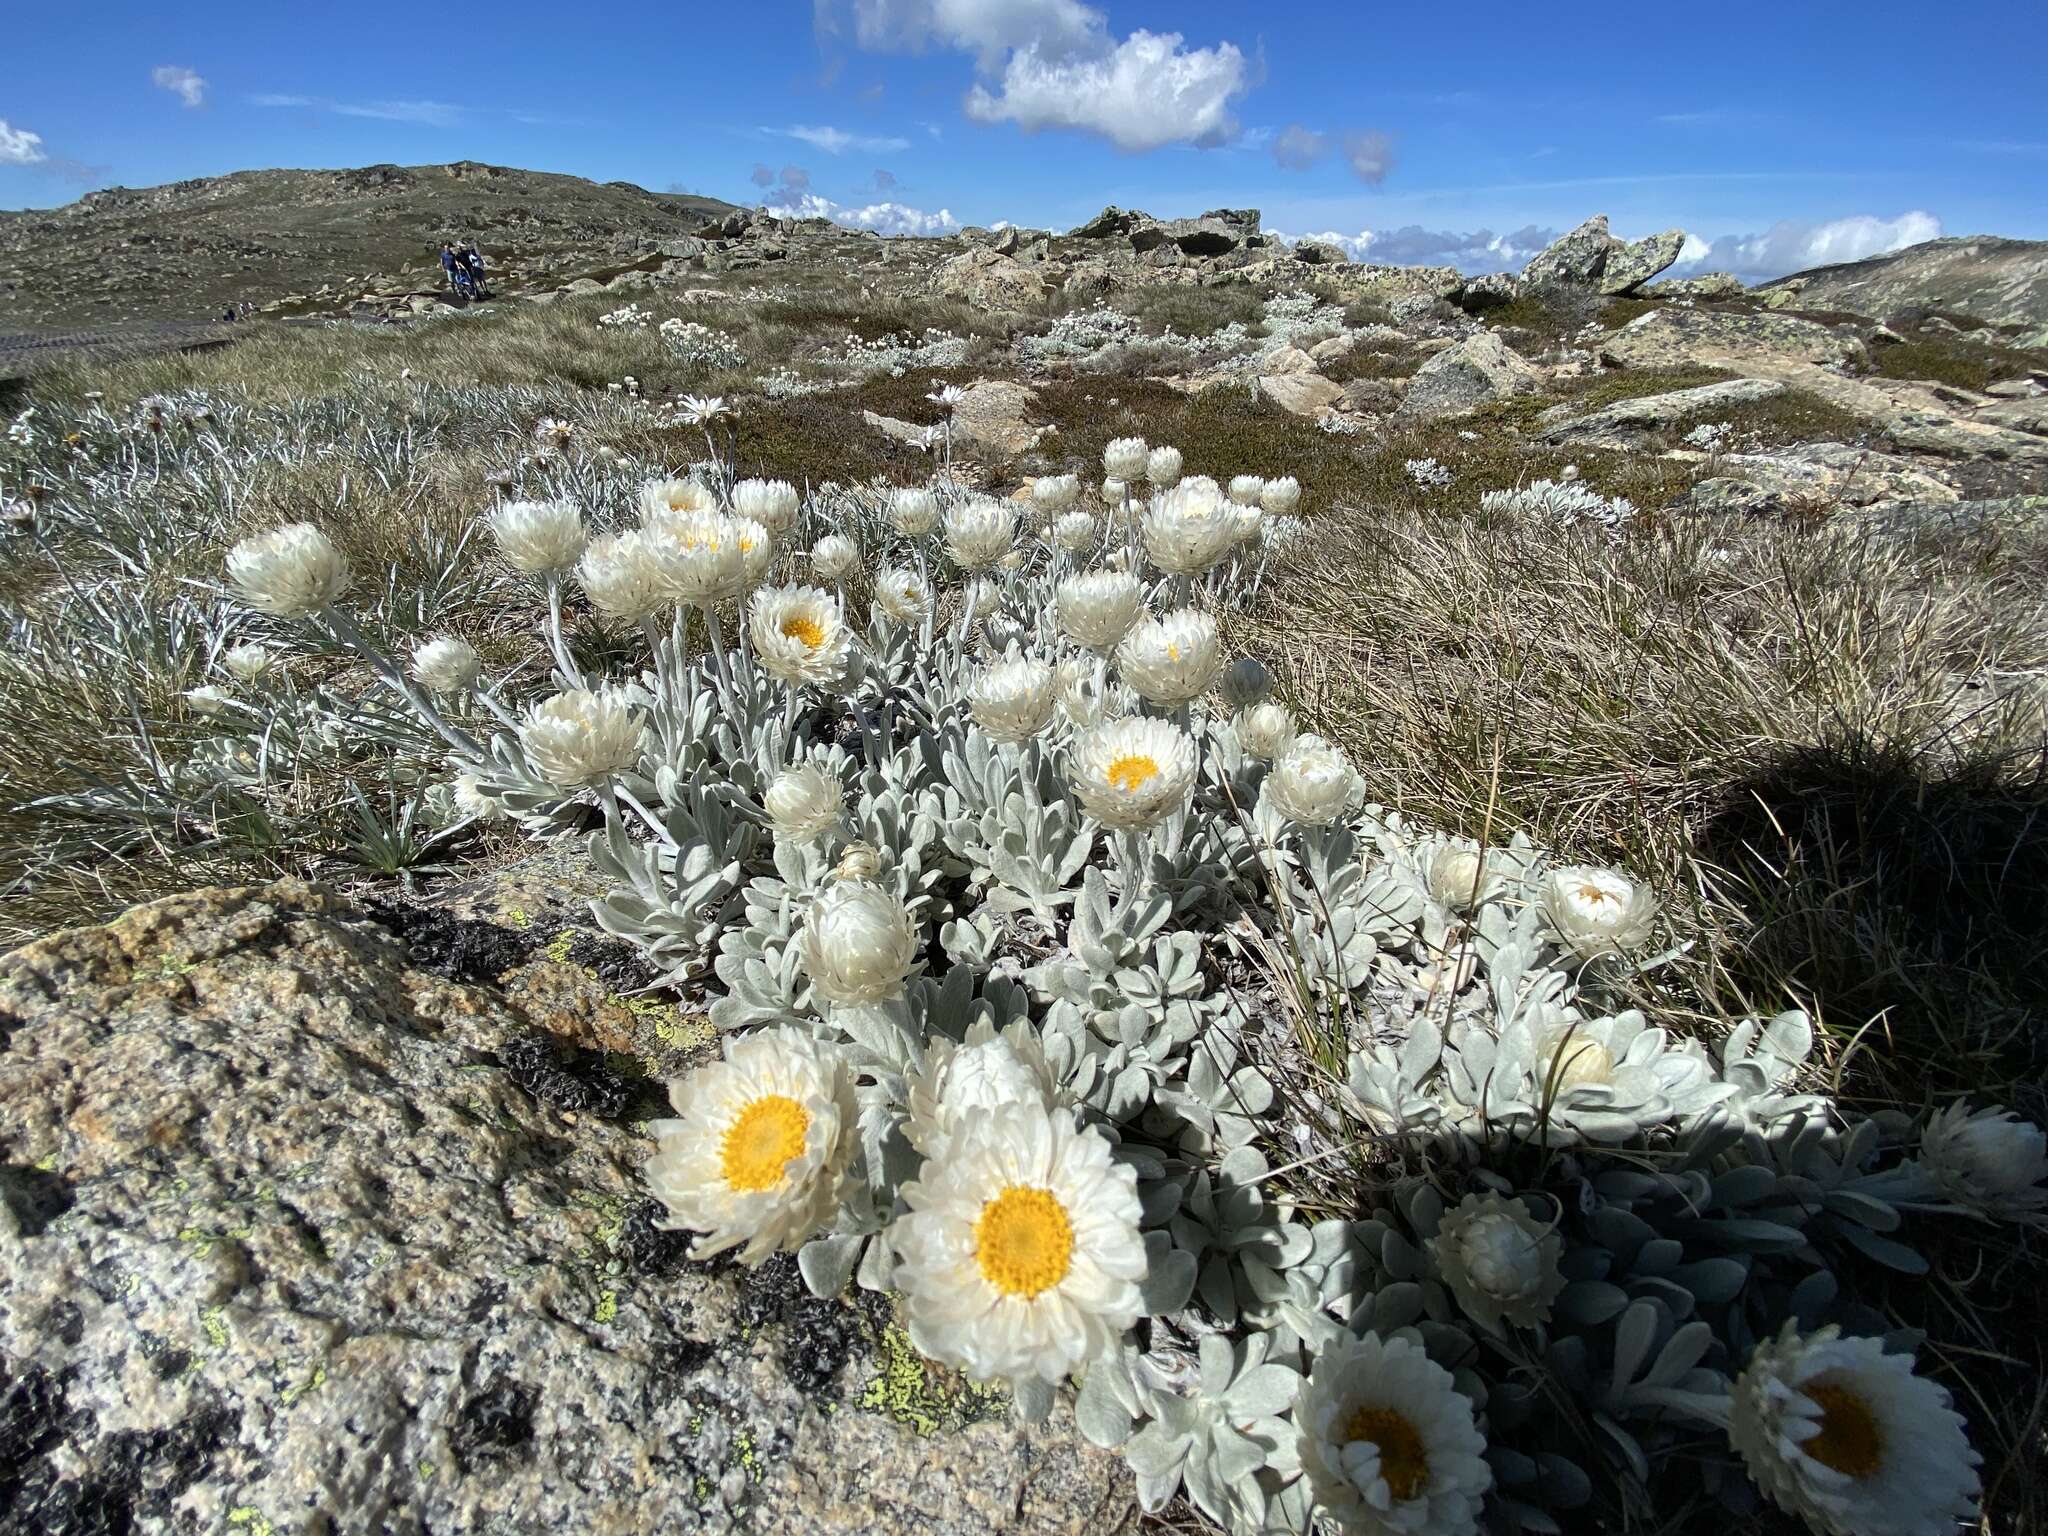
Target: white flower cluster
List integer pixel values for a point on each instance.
(1428, 474)
(696, 343)
(1024, 896)
(1562, 501)
(630, 318)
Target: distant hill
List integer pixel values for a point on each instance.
(1990, 278)
(186, 250)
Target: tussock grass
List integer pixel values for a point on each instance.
(1963, 364)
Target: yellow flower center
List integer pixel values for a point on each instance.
(1133, 772)
(801, 626)
(761, 1141)
(1023, 1241)
(1849, 1439)
(1403, 1461)
(1593, 896)
(1173, 652)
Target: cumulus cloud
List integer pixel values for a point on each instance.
(1297, 148)
(20, 147)
(1370, 156)
(837, 141)
(884, 218)
(183, 83)
(1791, 246)
(1056, 64)
(1478, 250)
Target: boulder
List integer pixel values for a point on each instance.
(1813, 476)
(988, 279)
(1111, 221)
(1304, 394)
(1626, 420)
(1215, 233)
(1489, 290)
(1468, 374)
(1320, 253)
(1679, 337)
(298, 1234)
(1640, 260)
(992, 415)
(1287, 360)
(1705, 285)
(1579, 256)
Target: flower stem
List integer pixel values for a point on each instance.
(346, 632)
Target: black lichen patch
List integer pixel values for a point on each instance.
(136, 1476)
(647, 1250)
(617, 964)
(818, 1336)
(460, 948)
(565, 1077)
(66, 1322)
(35, 1197)
(493, 1423)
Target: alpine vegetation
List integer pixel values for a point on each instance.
(1346, 1169)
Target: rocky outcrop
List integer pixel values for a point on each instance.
(1814, 477)
(988, 279)
(1478, 369)
(2001, 282)
(1577, 257)
(299, 1235)
(1676, 336)
(1704, 285)
(1640, 260)
(1628, 420)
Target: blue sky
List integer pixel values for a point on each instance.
(1778, 134)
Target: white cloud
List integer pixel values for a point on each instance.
(181, 82)
(18, 146)
(883, 218)
(276, 99)
(1371, 156)
(837, 141)
(437, 114)
(1056, 64)
(1791, 246)
(1146, 92)
(1297, 148)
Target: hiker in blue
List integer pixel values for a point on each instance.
(456, 268)
(472, 258)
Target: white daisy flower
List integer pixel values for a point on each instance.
(1075, 532)
(979, 532)
(901, 594)
(292, 572)
(1265, 731)
(948, 397)
(804, 803)
(1163, 467)
(1990, 1161)
(1096, 609)
(471, 803)
(1125, 458)
(798, 634)
(701, 410)
(663, 499)
(1115, 492)
(1133, 773)
(833, 556)
(1053, 494)
(1458, 876)
(1280, 498)
(697, 557)
(1083, 696)
(759, 1148)
(1499, 1261)
(447, 665)
(1313, 783)
(757, 550)
(1013, 700)
(1188, 529)
(621, 577)
(1246, 490)
(958, 1083)
(771, 503)
(913, 511)
(582, 737)
(1848, 1438)
(1597, 911)
(1020, 1257)
(1388, 1442)
(858, 945)
(206, 700)
(1174, 659)
(541, 538)
(246, 663)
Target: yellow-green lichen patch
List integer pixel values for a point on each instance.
(916, 1394)
(213, 1322)
(249, 1520)
(607, 1307)
(313, 1381)
(558, 947)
